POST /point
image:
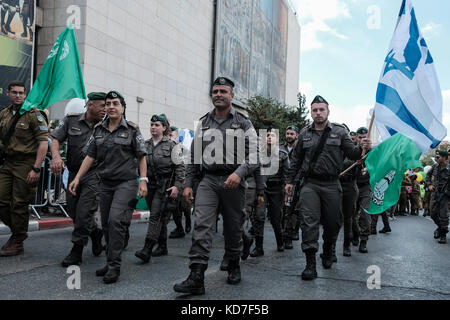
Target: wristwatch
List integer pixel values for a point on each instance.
(36, 169)
(143, 179)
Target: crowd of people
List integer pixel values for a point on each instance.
(300, 185)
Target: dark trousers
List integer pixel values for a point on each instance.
(384, 218)
(116, 215)
(320, 203)
(16, 194)
(83, 206)
(273, 201)
(439, 210)
(349, 197)
(362, 219)
(210, 194)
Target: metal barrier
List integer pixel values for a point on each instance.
(51, 191)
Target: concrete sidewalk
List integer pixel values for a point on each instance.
(58, 223)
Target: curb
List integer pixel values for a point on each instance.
(59, 223)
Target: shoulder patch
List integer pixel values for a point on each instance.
(134, 125)
(242, 114)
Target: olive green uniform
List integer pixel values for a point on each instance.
(15, 193)
(160, 169)
(211, 189)
(117, 154)
(82, 206)
(321, 191)
(439, 177)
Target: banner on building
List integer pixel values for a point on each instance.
(17, 26)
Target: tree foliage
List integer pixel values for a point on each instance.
(268, 113)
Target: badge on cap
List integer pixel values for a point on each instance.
(114, 95)
(222, 81)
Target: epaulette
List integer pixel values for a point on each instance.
(242, 114)
(131, 123)
(339, 125)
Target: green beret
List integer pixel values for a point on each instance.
(159, 117)
(319, 99)
(96, 96)
(222, 81)
(353, 133)
(114, 95)
(442, 153)
(362, 130)
(295, 128)
(173, 128)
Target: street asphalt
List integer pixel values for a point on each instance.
(412, 265)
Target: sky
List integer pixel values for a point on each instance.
(344, 44)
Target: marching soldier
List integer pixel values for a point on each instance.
(11, 7)
(438, 182)
(77, 129)
(24, 144)
(165, 176)
(319, 155)
(291, 208)
(223, 173)
(119, 148)
(273, 171)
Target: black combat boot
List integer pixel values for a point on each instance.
(385, 230)
(310, 272)
(280, 243)
(195, 283)
(437, 234)
(443, 236)
(362, 246)
(177, 233)
(296, 235)
(161, 250)
(327, 257)
(258, 250)
(355, 239)
(112, 275)
(334, 257)
(347, 251)
(234, 272)
(288, 243)
(146, 252)
(248, 241)
(74, 257)
(101, 272)
(224, 264)
(96, 238)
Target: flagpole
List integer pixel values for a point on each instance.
(363, 155)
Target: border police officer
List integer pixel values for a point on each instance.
(165, 175)
(25, 151)
(77, 129)
(319, 154)
(118, 146)
(222, 182)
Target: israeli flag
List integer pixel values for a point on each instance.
(409, 98)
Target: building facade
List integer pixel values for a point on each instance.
(160, 54)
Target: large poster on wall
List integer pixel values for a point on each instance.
(251, 46)
(16, 42)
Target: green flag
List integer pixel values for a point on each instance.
(386, 165)
(60, 77)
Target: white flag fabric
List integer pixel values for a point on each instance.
(409, 98)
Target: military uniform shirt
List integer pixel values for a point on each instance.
(234, 121)
(438, 177)
(278, 176)
(162, 162)
(31, 129)
(117, 151)
(77, 130)
(330, 162)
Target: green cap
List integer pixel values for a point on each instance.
(362, 130)
(295, 128)
(353, 133)
(173, 128)
(96, 96)
(114, 95)
(442, 153)
(319, 99)
(222, 81)
(159, 117)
